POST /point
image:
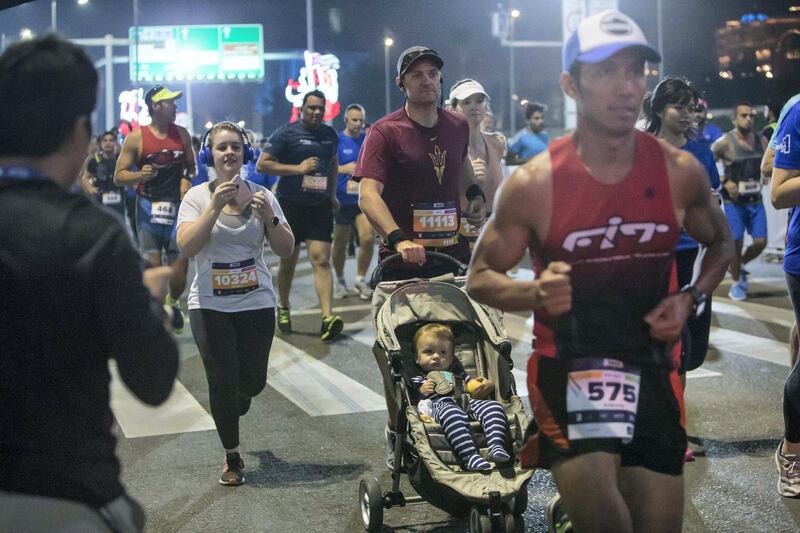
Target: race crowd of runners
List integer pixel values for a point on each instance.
(642, 194)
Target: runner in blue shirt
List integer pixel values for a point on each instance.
(785, 143)
(532, 141)
(350, 140)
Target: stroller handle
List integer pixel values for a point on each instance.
(461, 268)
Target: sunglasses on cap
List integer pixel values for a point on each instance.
(410, 57)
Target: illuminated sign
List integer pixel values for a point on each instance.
(321, 72)
(199, 53)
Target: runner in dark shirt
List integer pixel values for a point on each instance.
(303, 154)
(98, 179)
(413, 171)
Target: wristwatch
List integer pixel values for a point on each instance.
(698, 298)
(275, 221)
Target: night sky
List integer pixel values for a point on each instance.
(354, 30)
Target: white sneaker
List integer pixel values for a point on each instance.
(363, 290)
(788, 473)
(340, 290)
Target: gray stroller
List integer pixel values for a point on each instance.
(491, 501)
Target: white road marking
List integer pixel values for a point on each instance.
(181, 413)
(336, 308)
(750, 346)
(315, 387)
(701, 372)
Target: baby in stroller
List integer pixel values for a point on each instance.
(434, 346)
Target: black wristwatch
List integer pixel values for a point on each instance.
(275, 221)
(698, 298)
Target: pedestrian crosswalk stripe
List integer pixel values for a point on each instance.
(181, 413)
(701, 373)
(336, 309)
(315, 387)
(727, 340)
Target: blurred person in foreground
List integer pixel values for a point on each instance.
(73, 298)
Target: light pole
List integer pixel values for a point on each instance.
(54, 10)
(309, 26)
(514, 14)
(387, 44)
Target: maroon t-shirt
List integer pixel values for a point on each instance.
(420, 169)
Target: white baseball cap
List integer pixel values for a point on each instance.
(602, 35)
(465, 88)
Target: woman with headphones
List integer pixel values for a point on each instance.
(224, 225)
(669, 112)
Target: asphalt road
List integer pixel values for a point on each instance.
(317, 430)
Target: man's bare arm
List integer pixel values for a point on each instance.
(188, 154)
(267, 164)
(767, 162)
(705, 221)
(374, 208)
(123, 175)
(785, 187)
(522, 207)
(333, 176)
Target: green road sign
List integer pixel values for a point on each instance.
(201, 53)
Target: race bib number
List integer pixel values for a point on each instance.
(602, 398)
(234, 278)
(317, 184)
(111, 198)
(469, 232)
(435, 224)
(352, 187)
(749, 187)
(163, 213)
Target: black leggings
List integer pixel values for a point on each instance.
(791, 389)
(694, 337)
(235, 352)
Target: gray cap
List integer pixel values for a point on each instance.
(410, 55)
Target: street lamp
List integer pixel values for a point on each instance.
(387, 44)
(53, 12)
(514, 15)
(25, 33)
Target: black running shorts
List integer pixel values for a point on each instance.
(309, 223)
(659, 440)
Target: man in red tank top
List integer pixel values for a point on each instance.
(163, 155)
(600, 211)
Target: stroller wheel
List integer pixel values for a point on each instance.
(371, 502)
(511, 526)
(479, 522)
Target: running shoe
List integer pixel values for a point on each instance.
(340, 290)
(332, 325)
(737, 292)
(743, 274)
(364, 292)
(788, 473)
(284, 320)
(557, 519)
(232, 470)
(176, 314)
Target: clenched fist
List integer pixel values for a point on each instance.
(554, 289)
